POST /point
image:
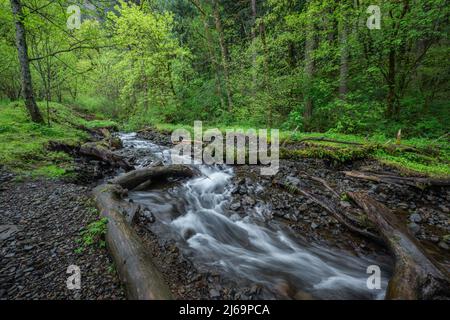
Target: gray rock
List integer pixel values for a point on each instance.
(434, 239)
(414, 228)
(415, 217)
(235, 206)
(314, 225)
(214, 293)
(293, 181)
(443, 245)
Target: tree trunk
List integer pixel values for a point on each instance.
(22, 49)
(212, 58)
(224, 51)
(391, 85)
(343, 74)
(254, 54)
(309, 73)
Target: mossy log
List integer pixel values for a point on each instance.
(139, 178)
(142, 279)
(416, 276)
(136, 269)
(99, 151)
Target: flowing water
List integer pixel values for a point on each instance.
(251, 248)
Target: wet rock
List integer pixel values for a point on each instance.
(443, 245)
(434, 239)
(235, 206)
(415, 217)
(414, 228)
(214, 294)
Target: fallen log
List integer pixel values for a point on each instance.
(351, 223)
(99, 151)
(417, 182)
(142, 279)
(324, 139)
(416, 276)
(138, 178)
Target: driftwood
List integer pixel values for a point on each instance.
(142, 279)
(417, 182)
(416, 276)
(139, 178)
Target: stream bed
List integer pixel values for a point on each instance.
(249, 248)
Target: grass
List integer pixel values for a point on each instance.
(22, 142)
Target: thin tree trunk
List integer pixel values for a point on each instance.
(22, 49)
(224, 51)
(209, 44)
(253, 33)
(309, 72)
(391, 85)
(343, 72)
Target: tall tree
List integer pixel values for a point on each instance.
(224, 51)
(310, 44)
(22, 49)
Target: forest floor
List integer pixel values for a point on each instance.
(41, 221)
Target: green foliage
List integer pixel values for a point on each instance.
(93, 235)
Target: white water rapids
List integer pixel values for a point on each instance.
(251, 248)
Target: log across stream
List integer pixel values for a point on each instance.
(246, 248)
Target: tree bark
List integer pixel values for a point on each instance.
(136, 178)
(142, 279)
(22, 49)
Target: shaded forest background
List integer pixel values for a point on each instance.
(306, 65)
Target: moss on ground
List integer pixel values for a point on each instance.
(22, 142)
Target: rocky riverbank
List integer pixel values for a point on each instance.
(40, 225)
